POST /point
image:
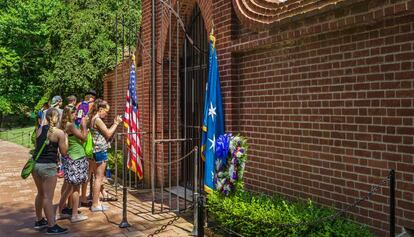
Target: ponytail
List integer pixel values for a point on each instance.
(52, 117)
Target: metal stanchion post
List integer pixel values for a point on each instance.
(195, 200)
(124, 223)
(116, 165)
(392, 203)
(200, 225)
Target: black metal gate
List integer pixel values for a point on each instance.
(177, 105)
(193, 81)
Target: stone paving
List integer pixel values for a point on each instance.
(17, 207)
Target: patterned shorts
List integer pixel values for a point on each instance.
(76, 171)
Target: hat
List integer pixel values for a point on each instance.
(91, 92)
(55, 100)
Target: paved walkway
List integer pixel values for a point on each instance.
(17, 207)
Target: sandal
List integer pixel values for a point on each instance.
(109, 199)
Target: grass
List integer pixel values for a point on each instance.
(21, 136)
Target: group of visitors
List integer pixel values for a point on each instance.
(61, 134)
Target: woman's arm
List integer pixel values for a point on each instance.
(62, 141)
(107, 133)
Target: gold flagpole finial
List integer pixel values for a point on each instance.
(133, 58)
(212, 38)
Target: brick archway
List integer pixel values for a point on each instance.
(166, 57)
(186, 8)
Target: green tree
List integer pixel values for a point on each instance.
(23, 37)
(5, 109)
(82, 42)
(61, 47)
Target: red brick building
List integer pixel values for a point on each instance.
(323, 90)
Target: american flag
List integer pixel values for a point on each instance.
(131, 122)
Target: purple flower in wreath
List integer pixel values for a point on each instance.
(234, 161)
(226, 188)
(234, 175)
(222, 147)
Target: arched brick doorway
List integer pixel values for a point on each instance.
(193, 75)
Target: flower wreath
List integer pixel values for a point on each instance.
(231, 155)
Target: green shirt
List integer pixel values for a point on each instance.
(75, 150)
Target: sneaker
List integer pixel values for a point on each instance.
(68, 211)
(78, 218)
(56, 230)
(61, 216)
(40, 224)
(99, 208)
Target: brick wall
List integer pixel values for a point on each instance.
(326, 101)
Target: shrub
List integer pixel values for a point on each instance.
(111, 161)
(260, 215)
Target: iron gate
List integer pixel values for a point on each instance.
(177, 106)
(193, 81)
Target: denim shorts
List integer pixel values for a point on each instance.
(101, 156)
(45, 170)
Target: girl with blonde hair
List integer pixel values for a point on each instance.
(45, 169)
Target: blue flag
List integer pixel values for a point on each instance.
(213, 122)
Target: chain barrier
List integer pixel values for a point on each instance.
(178, 160)
(374, 189)
(175, 161)
(163, 227)
(191, 207)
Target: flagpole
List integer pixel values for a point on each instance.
(136, 121)
(137, 129)
(124, 223)
(153, 106)
(129, 55)
(116, 104)
(177, 105)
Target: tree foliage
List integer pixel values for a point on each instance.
(61, 47)
(82, 42)
(23, 36)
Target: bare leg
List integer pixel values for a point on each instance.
(49, 185)
(75, 199)
(64, 197)
(69, 205)
(91, 169)
(84, 190)
(103, 192)
(62, 190)
(39, 197)
(100, 171)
